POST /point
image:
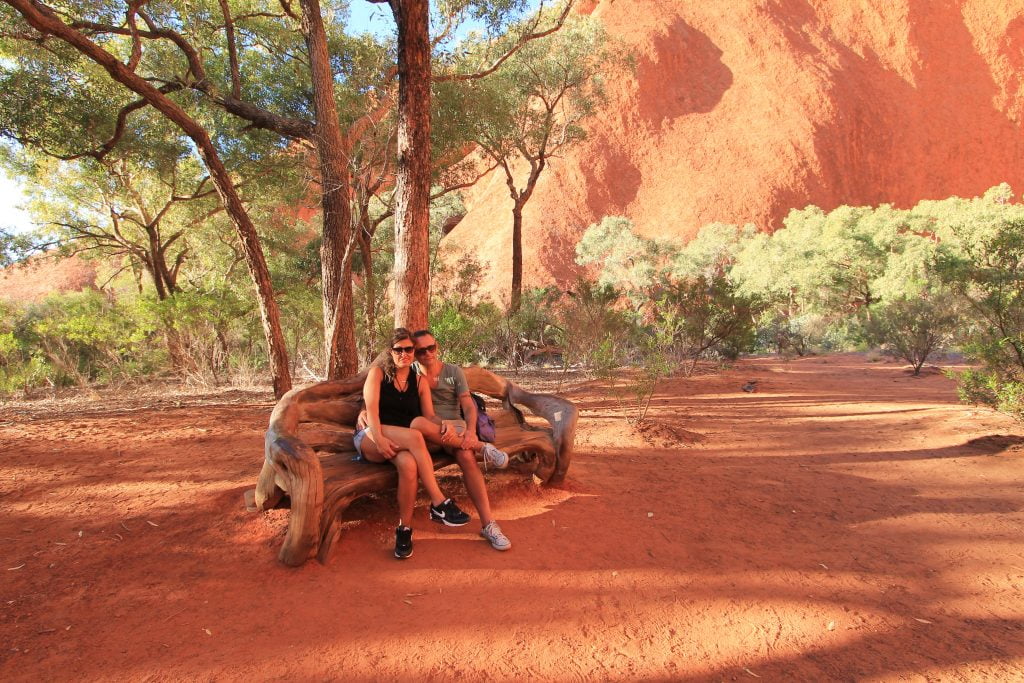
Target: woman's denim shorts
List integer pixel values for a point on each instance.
(357, 440)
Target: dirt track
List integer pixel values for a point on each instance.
(844, 521)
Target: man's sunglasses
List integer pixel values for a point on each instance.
(402, 349)
(423, 351)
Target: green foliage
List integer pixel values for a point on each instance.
(982, 262)
(912, 329)
(700, 316)
(712, 252)
(777, 332)
(656, 363)
(983, 387)
(467, 328)
(76, 338)
(689, 298)
(592, 329)
(535, 102)
(466, 332)
(625, 260)
(16, 247)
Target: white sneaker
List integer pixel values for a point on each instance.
(492, 532)
(494, 457)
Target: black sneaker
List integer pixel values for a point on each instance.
(448, 513)
(403, 542)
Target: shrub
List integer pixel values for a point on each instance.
(983, 263)
(593, 330)
(466, 332)
(981, 387)
(702, 316)
(912, 329)
(74, 338)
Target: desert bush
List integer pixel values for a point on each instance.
(982, 387)
(532, 330)
(471, 329)
(982, 262)
(74, 339)
(700, 317)
(593, 330)
(624, 261)
(208, 332)
(468, 332)
(913, 329)
(21, 366)
(656, 363)
(777, 332)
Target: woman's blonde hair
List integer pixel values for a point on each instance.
(385, 361)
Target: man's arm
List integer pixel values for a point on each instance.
(468, 406)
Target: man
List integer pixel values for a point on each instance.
(457, 431)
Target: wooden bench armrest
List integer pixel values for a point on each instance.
(560, 414)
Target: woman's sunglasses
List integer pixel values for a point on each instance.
(402, 349)
(423, 351)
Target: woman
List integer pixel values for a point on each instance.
(394, 398)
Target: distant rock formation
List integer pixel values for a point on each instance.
(739, 111)
(41, 275)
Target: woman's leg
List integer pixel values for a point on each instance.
(412, 443)
(406, 466)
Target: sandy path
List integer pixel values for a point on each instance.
(841, 522)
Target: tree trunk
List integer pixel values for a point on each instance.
(336, 247)
(45, 21)
(181, 362)
(412, 185)
(370, 293)
(156, 266)
(517, 259)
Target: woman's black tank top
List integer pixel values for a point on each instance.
(399, 408)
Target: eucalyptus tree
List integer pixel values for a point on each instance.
(526, 113)
(422, 60)
(49, 60)
(118, 210)
(981, 259)
(270, 77)
(257, 74)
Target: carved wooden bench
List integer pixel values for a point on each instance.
(309, 451)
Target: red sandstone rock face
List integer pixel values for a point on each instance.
(32, 281)
(740, 110)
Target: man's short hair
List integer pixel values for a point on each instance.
(421, 333)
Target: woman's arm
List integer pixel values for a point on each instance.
(371, 397)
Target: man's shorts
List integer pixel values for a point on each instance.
(456, 426)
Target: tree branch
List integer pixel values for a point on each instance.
(133, 61)
(229, 34)
(257, 117)
(523, 40)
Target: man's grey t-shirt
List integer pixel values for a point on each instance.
(451, 384)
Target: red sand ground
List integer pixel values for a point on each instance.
(845, 521)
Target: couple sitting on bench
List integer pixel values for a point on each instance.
(410, 405)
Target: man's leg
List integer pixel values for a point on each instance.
(477, 489)
(475, 484)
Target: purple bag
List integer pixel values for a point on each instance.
(485, 430)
